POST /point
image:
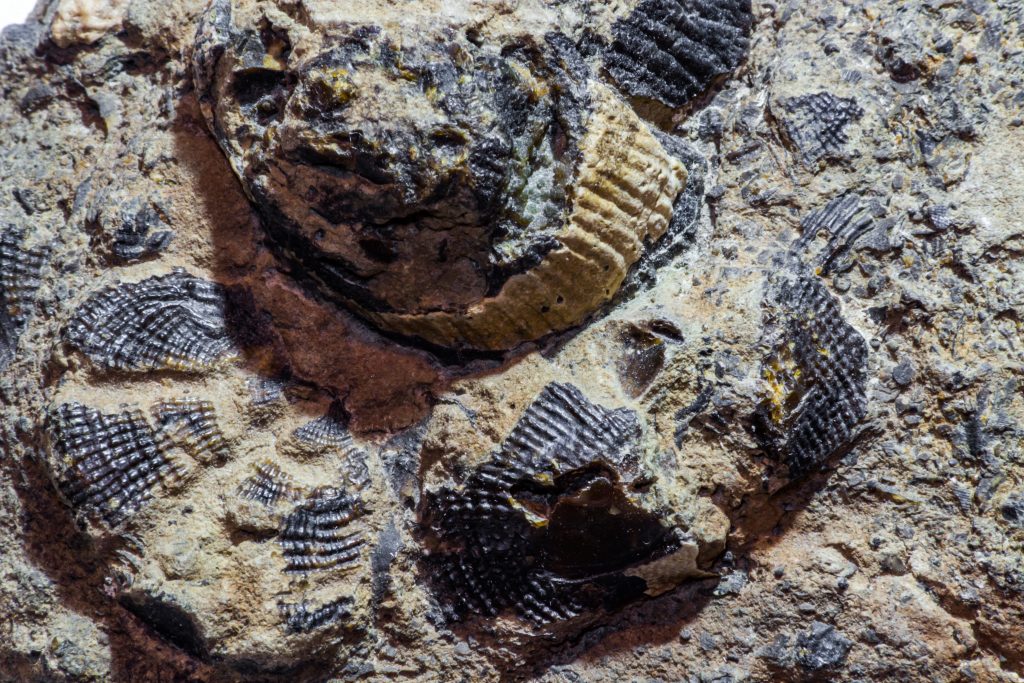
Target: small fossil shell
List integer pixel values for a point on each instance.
(315, 535)
(107, 464)
(844, 220)
(816, 125)
(672, 50)
(303, 617)
(192, 424)
(550, 527)
(816, 375)
(268, 485)
(20, 270)
(328, 433)
(173, 321)
(130, 227)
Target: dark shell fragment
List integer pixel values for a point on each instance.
(844, 219)
(141, 232)
(174, 321)
(672, 50)
(816, 125)
(303, 617)
(20, 270)
(816, 374)
(315, 535)
(107, 464)
(548, 527)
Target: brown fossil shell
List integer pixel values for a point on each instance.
(472, 194)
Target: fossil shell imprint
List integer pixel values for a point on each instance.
(551, 527)
(473, 193)
(816, 374)
(107, 464)
(20, 270)
(168, 322)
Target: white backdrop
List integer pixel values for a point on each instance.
(14, 11)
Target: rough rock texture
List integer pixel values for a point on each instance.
(552, 340)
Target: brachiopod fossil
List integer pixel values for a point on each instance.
(475, 191)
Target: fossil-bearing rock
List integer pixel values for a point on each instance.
(512, 340)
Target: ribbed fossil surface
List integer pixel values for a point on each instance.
(816, 374)
(267, 485)
(303, 617)
(816, 124)
(316, 536)
(547, 528)
(672, 50)
(20, 270)
(107, 464)
(192, 425)
(173, 321)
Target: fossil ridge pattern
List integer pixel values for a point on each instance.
(547, 528)
(315, 535)
(303, 617)
(268, 485)
(816, 124)
(672, 50)
(107, 464)
(816, 374)
(192, 424)
(173, 321)
(20, 271)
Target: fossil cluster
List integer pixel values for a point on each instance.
(549, 340)
(552, 526)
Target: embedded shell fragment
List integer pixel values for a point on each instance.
(20, 270)
(173, 321)
(551, 527)
(816, 375)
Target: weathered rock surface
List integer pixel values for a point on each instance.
(551, 340)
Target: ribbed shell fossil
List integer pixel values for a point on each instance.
(303, 617)
(20, 270)
(816, 125)
(173, 321)
(107, 464)
(192, 425)
(315, 535)
(473, 194)
(671, 50)
(268, 485)
(816, 374)
(844, 220)
(550, 527)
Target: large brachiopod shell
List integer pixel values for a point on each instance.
(471, 193)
